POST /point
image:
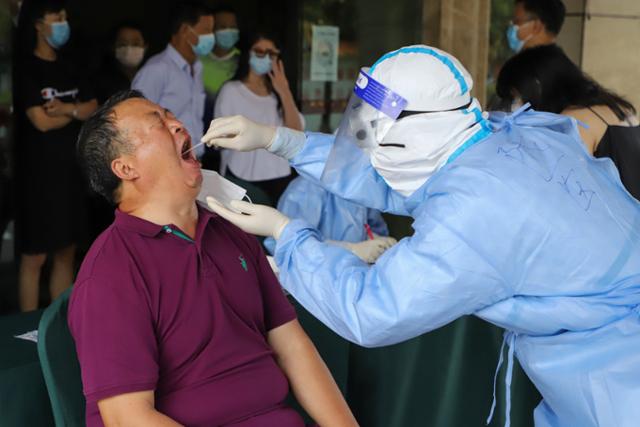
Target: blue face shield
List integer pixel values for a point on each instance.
(227, 38)
(205, 44)
(260, 66)
(60, 32)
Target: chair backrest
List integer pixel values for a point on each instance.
(60, 367)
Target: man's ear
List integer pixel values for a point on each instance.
(41, 27)
(123, 168)
(537, 27)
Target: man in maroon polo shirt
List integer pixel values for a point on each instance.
(176, 314)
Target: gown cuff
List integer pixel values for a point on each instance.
(287, 143)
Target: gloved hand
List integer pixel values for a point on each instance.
(370, 250)
(255, 219)
(238, 133)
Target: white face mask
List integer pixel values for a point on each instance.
(429, 140)
(130, 56)
(221, 189)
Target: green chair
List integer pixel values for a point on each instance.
(60, 366)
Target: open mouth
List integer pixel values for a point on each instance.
(186, 153)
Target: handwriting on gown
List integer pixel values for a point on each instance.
(553, 168)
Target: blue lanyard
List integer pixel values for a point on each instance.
(178, 233)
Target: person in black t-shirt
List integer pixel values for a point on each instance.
(54, 102)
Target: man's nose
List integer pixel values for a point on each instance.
(176, 126)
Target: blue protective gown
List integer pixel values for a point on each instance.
(335, 218)
(524, 229)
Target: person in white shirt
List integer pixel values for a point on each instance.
(259, 91)
(173, 78)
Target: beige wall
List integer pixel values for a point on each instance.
(611, 47)
(461, 27)
(603, 37)
(570, 38)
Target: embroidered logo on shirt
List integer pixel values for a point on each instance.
(243, 263)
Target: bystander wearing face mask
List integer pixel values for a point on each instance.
(227, 38)
(60, 32)
(130, 56)
(205, 43)
(515, 43)
(260, 65)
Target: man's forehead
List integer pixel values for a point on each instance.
(225, 17)
(134, 108)
(205, 22)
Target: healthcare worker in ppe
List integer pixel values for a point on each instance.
(341, 222)
(514, 222)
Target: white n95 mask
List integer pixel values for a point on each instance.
(221, 189)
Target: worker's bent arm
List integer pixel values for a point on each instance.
(425, 281)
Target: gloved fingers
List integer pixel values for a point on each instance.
(223, 128)
(246, 207)
(217, 207)
(389, 242)
(230, 142)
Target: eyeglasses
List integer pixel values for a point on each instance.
(261, 53)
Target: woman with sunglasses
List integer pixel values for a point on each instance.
(260, 91)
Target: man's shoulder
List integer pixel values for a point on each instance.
(157, 62)
(156, 65)
(108, 256)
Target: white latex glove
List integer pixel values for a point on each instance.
(370, 250)
(260, 220)
(238, 133)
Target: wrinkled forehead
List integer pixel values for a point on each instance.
(134, 113)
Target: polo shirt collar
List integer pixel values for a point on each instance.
(149, 229)
(182, 63)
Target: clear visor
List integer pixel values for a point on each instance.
(372, 110)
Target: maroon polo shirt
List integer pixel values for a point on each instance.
(155, 311)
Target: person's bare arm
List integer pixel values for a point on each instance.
(291, 115)
(74, 110)
(86, 109)
(310, 379)
(45, 123)
(133, 409)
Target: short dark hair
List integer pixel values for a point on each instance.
(545, 77)
(100, 142)
(187, 13)
(39, 8)
(224, 8)
(550, 12)
(134, 25)
(33, 12)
